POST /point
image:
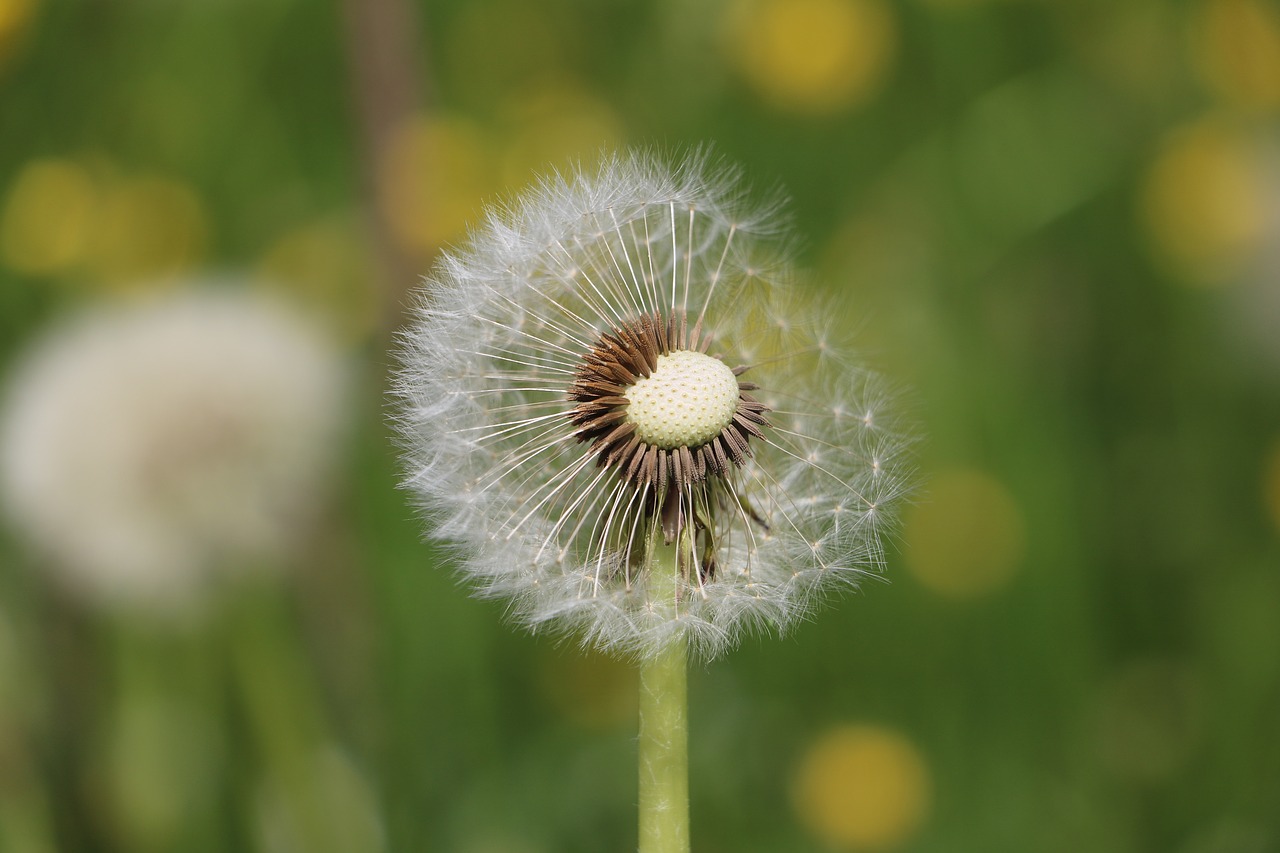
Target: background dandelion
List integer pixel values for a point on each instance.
(1054, 220)
(147, 448)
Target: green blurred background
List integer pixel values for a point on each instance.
(1059, 220)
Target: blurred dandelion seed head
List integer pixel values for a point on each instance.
(620, 356)
(146, 445)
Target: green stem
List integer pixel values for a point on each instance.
(283, 713)
(664, 731)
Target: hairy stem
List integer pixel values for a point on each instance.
(664, 738)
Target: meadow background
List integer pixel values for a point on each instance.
(1058, 222)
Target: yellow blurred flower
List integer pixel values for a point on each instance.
(966, 537)
(15, 17)
(47, 217)
(64, 218)
(1203, 201)
(327, 266)
(145, 229)
(13, 14)
(435, 175)
(1236, 50)
(554, 126)
(812, 56)
(862, 787)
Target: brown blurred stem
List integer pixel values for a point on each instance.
(387, 86)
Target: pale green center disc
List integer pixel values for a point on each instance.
(687, 400)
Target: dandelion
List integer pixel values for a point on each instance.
(616, 362)
(616, 407)
(148, 447)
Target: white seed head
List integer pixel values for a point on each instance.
(621, 356)
(687, 400)
(147, 448)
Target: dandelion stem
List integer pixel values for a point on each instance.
(664, 741)
(282, 712)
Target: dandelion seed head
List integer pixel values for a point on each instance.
(148, 446)
(615, 356)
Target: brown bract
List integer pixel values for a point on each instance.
(624, 356)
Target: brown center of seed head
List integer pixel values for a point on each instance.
(709, 430)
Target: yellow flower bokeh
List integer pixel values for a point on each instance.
(327, 266)
(1203, 202)
(812, 56)
(63, 218)
(862, 787)
(146, 228)
(15, 17)
(439, 172)
(47, 217)
(554, 126)
(434, 178)
(966, 537)
(1236, 50)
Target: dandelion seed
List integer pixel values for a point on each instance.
(619, 359)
